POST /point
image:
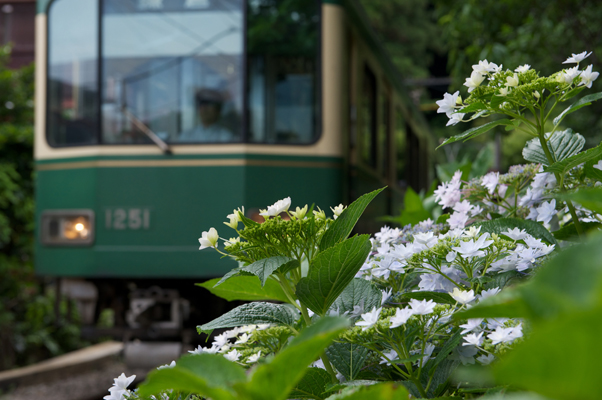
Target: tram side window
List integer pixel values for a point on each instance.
(176, 67)
(368, 117)
(283, 96)
(384, 135)
(72, 111)
(401, 150)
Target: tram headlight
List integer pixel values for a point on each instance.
(67, 227)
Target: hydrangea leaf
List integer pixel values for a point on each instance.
(562, 167)
(267, 266)
(253, 313)
(359, 293)
(313, 385)
(276, 379)
(569, 232)
(437, 297)
(347, 358)
(245, 288)
(562, 145)
(447, 348)
(584, 101)
(473, 107)
(533, 364)
(590, 198)
(208, 375)
(476, 131)
(591, 172)
(501, 225)
(330, 273)
(233, 272)
(343, 225)
(381, 391)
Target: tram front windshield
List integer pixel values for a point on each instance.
(179, 68)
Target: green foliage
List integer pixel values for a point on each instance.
(28, 332)
(476, 131)
(214, 376)
(501, 225)
(330, 273)
(562, 145)
(253, 314)
(245, 288)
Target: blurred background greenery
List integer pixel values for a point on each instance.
(434, 43)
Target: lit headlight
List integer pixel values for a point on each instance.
(67, 227)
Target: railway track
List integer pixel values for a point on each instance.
(85, 374)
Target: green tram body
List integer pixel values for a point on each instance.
(150, 207)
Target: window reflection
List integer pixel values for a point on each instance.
(176, 66)
(283, 43)
(72, 73)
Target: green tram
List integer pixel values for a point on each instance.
(156, 118)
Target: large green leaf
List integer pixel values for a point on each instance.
(437, 297)
(501, 225)
(473, 132)
(447, 348)
(233, 272)
(381, 391)
(343, 225)
(347, 358)
(252, 314)
(562, 167)
(245, 288)
(562, 145)
(208, 375)
(591, 172)
(359, 293)
(590, 198)
(569, 232)
(506, 304)
(313, 385)
(330, 273)
(584, 101)
(276, 379)
(267, 266)
(537, 364)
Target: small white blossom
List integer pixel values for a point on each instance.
(473, 339)
(516, 234)
(462, 296)
(570, 74)
(587, 77)
(490, 181)
(422, 307)
(546, 211)
(489, 293)
(388, 357)
(369, 318)
(457, 220)
(401, 317)
(512, 80)
(456, 117)
(476, 78)
(234, 355)
(523, 68)
(577, 58)
(470, 325)
(278, 207)
(171, 365)
(338, 210)
(254, 358)
(208, 239)
(598, 166)
(299, 213)
(448, 104)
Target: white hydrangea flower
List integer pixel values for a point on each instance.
(577, 58)
(462, 296)
(278, 207)
(422, 307)
(369, 318)
(401, 317)
(208, 239)
(171, 365)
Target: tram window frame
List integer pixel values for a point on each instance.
(368, 115)
(244, 137)
(384, 132)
